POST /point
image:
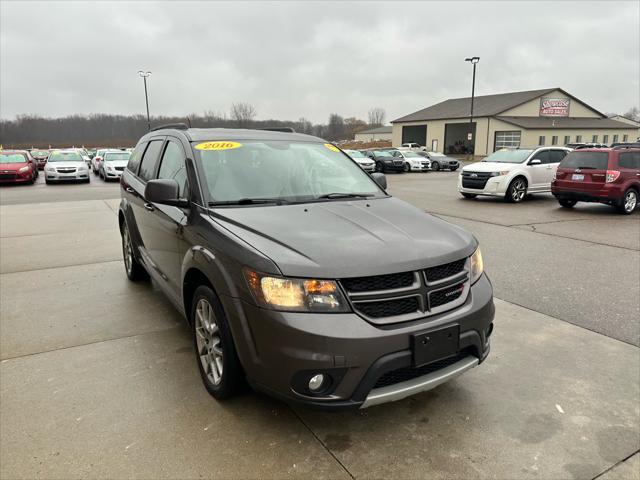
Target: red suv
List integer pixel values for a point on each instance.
(610, 176)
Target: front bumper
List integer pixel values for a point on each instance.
(277, 349)
(15, 177)
(495, 186)
(112, 175)
(61, 177)
(368, 168)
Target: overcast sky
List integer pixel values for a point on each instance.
(309, 59)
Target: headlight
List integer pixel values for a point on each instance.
(109, 167)
(500, 173)
(24, 169)
(296, 294)
(477, 266)
(50, 169)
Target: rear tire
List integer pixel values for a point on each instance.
(135, 271)
(468, 195)
(629, 202)
(517, 190)
(567, 203)
(215, 350)
(453, 169)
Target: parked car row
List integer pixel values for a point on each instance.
(604, 175)
(402, 159)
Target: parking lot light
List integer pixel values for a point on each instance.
(474, 61)
(144, 76)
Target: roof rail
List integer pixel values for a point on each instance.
(177, 126)
(627, 146)
(279, 129)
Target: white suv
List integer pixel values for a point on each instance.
(512, 173)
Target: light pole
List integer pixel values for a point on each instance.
(473, 61)
(144, 76)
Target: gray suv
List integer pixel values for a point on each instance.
(281, 254)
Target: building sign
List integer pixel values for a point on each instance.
(554, 107)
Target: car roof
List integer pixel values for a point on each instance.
(212, 134)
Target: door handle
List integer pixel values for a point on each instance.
(149, 206)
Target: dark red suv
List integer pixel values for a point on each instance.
(610, 176)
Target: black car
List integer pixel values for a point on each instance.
(385, 161)
(275, 247)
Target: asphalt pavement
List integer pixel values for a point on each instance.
(98, 376)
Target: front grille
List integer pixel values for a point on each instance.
(8, 176)
(443, 271)
(120, 169)
(476, 180)
(398, 163)
(388, 308)
(409, 373)
(378, 282)
(65, 170)
(446, 295)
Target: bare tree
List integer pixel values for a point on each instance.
(632, 114)
(243, 113)
(377, 116)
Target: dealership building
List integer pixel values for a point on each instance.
(373, 134)
(508, 120)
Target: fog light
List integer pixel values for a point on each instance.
(316, 382)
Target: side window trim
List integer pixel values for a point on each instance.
(161, 139)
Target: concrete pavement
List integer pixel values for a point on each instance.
(98, 377)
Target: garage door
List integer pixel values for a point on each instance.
(415, 134)
(509, 139)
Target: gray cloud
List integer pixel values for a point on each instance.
(294, 59)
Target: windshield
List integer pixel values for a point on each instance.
(355, 154)
(64, 157)
(39, 153)
(279, 170)
(12, 158)
(586, 160)
(508, 156)
(382, 153)
(411, 155)
(111, 156)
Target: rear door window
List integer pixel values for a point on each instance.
(150, 160)
(586, 160)
(630, 160)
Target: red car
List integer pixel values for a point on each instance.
(40, 157)
(17, 166)
(610, 176)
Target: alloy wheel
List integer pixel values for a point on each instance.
(630, 201)
(518, 190)
(127, 249)
(208, 341)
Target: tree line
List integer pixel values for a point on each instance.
(124, 130)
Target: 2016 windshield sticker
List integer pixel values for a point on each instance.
(333, 148)
(223, 145)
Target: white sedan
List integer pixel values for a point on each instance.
(64, 165)
(113, 164)
(412, 161)
(361, 159)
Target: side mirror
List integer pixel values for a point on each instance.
(164, 191)
(380, 179)
(535, 161)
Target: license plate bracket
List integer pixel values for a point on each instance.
(577, 176)
(435, 345)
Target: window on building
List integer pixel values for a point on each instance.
(594, 139)
(578, 138)
(510, 139)
(554, 140)
(567, 139)
(605, 139)
(541, 140)
(615, 138)
(625, 138)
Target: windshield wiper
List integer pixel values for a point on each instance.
(346, 195)
(249, 201)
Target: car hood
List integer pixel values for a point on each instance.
(116, 163)
(13, 166)
(490, 167)
(341, 239)
(74, 164)
(364, 161)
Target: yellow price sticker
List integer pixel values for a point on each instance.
(333, 148)
(222, 145)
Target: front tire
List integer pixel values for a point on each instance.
(567, 203)
(435, 166)
(380, 167)
(215, 351)
(517, 190)
(135, 271)
(629, 202)
(407, 169)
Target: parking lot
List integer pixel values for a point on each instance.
(98, 376)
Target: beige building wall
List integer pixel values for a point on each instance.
(532, 108)
(530, 138)
(368, 137)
